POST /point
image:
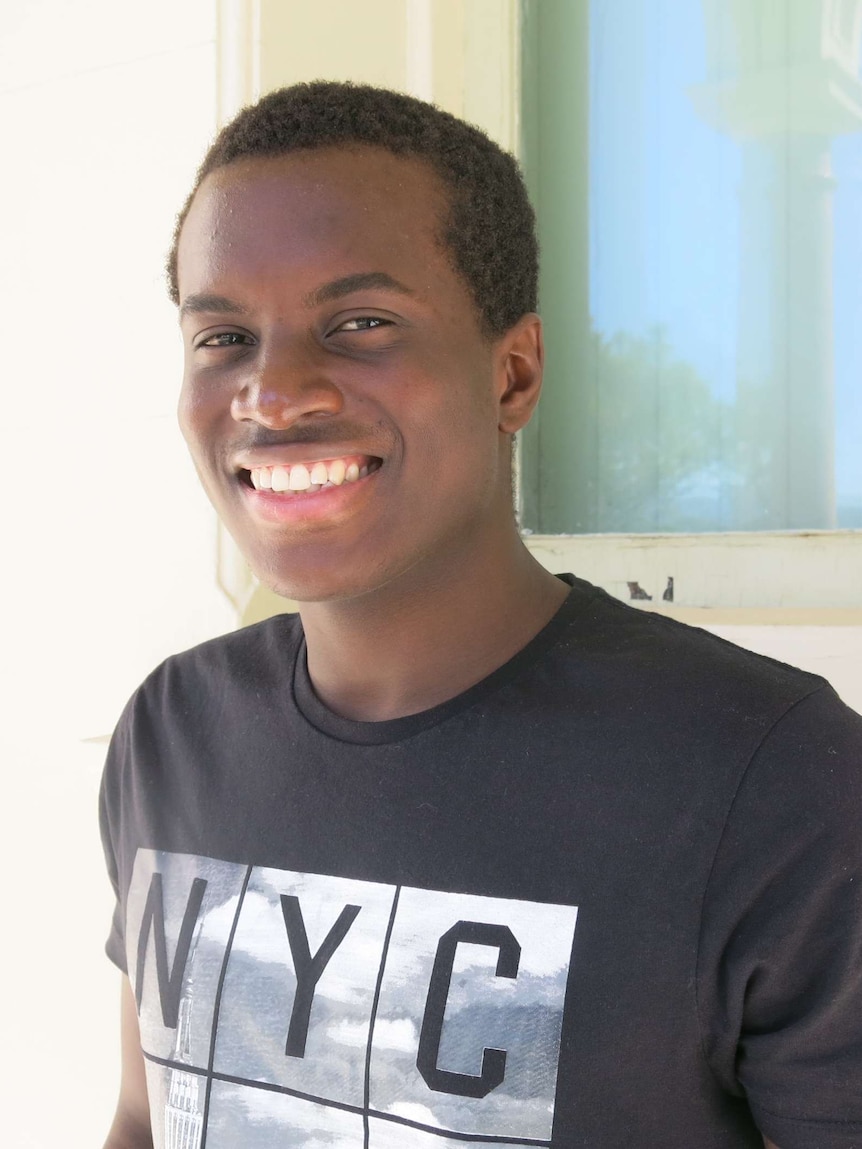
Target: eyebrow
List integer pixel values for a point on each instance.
(196, 304)
(361, 281)
(206, 302)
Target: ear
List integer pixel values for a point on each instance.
(520, 360)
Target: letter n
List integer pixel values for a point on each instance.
(170, 981)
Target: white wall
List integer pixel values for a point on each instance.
(107, 566)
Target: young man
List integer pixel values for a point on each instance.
(465, 852)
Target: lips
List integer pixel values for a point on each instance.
(310, 476)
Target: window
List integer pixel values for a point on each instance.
(697, 171)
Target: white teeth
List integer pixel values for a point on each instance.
(300, 480)
(311, 477)
(280, 479)
(336, 472)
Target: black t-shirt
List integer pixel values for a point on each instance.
(609, 896)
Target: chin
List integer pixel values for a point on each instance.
(326, 581)
(304, 583)
(306, 590)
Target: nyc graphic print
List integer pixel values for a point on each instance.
(287, 1009)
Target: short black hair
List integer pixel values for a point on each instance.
(489, 229)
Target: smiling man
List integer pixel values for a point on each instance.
(464, 852)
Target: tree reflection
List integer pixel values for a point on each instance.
(663, 438)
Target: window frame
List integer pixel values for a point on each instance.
(789, 577)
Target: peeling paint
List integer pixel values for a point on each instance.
(778, 571)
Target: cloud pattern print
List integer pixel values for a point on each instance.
(306, 1010)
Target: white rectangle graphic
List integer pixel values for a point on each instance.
(311, 1005)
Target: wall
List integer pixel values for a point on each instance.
(108, 558)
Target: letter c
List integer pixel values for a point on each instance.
(493, 1060)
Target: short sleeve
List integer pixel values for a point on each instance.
(110, 822)
(780, 956)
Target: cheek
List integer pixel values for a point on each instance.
(458, 445)
(183, 416)
(197, 408)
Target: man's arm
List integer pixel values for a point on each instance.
(131, 1126)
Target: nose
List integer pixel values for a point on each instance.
(283, 389)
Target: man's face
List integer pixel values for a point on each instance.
(339, 400)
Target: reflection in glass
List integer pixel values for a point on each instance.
(697, 171)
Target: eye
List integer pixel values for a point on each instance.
(225, 339)
(362, 323)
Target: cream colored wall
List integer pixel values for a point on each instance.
(108, 546)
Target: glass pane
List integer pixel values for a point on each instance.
(697, 171)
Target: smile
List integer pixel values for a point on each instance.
(311, 476)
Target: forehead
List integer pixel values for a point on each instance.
(322, 212)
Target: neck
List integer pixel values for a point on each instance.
(426, 638)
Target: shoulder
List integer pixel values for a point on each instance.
(779, 971)
(817, 741)
(241, 658)
(650, 662)
(194, 691)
